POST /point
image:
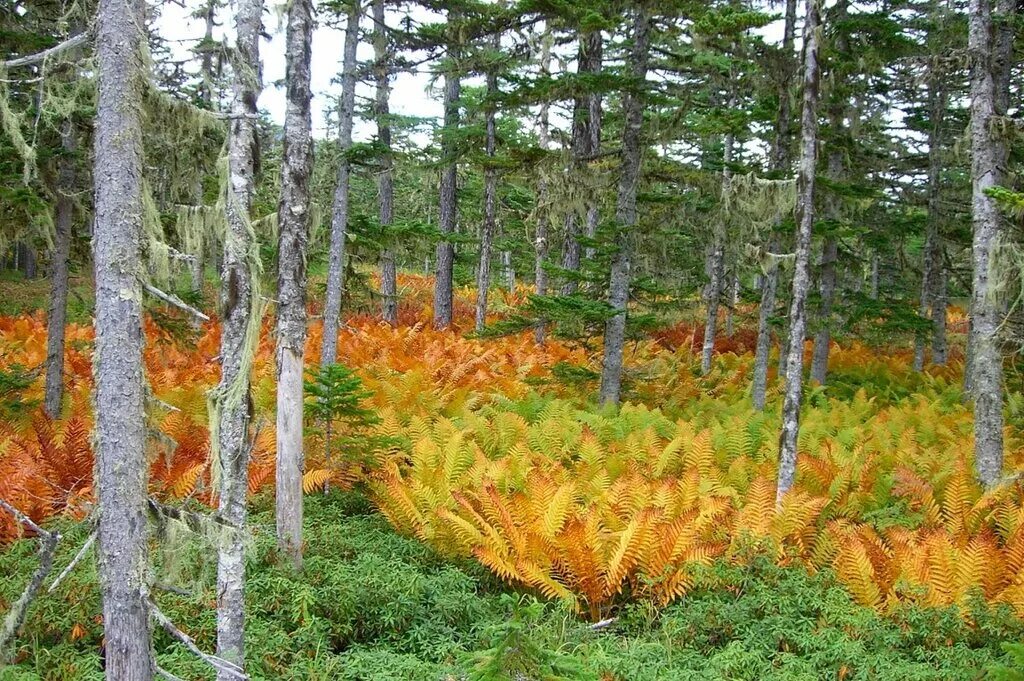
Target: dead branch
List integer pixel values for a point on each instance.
(31, 59)
(174, 300)
(219, 664)
(74, 561)
(47, 549)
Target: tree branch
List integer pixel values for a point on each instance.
(174, 300)
(47, 548)
(74, 561)
(31, 59)
(219, 664)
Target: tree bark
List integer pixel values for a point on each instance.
(827, 290)
(988, 155)
(625, 214)
(240, 312)
(339, 212)
(449, 195)
(540, 276)
(56, 318)
(385, 178)
(483, 274)
(121, 471)
(716, 267)
(932, 277)
(801, 271)
(780, 163)
(586, 121)
(293, 242)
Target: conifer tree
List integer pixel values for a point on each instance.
(990, 52)
(240, 314)
(626, 212)
(340, 209)
(801, 269)
(293, 220)
(448, 212)
(385, 176)
(121, 469)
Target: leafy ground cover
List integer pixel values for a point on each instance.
(498, 513)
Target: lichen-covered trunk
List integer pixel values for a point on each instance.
(801, 267)
(540, 244)
(780, 162)
(769, 285)
(716, 267)
(827, 291)
(232, 403)
(385, 178)
(448, 203)
(625, 213)
(293, 241)
(988, 154)
(56, 318)
(121, 466)
(586, 121)
(339, 211)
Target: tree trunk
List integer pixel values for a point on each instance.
(931, 271)
(385, 178)
(339, 212)
(121, 470)
(716, 267)
(940, 352)
(543, 212)
(625, 214)
(988, 154)
(801, 269)
(586, 121)
(827, 290)
(764, 332)
(449, 197)
(56, 318)
(780, 164)
(239, 332)
(293, 238)
(483, 273)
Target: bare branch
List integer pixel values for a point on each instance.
(167, 675)
(74, 561)
(31, 59)
(219, 664)
(174, 300)
(47, 549)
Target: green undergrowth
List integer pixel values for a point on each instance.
(373, 605)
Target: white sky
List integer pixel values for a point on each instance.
(409, 94)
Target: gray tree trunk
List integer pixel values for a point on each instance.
(483, 272)
(940, 349)
(385, 178)
(540, 276)
(448, 200)
(716, 267)
(56, 318)
(293, 241)
(240, 309)
(827, 290)
(121, 466)
(801, 270)
(988, 154)
(932, 277)
(625, 214)
(780, 163)
(586, 121)
(339, 212)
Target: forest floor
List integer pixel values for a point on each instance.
(486, 520)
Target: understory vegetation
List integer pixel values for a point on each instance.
(529, 533)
